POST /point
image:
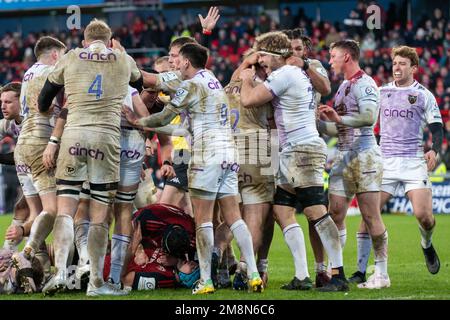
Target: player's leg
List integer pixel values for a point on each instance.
(229, 207)
(81, 222)
(319, 257)
(369, 204)
(284, 212)
(203, 207)
(421, 200)
(121, 238)
(262, 262)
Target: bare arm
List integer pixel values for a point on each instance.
(139, 107)
(328, 128)
(320, 83)
(49, 155)
(150, 79)
(253, 96)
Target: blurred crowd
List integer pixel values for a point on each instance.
(430, 34)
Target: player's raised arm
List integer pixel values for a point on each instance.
(209, 22)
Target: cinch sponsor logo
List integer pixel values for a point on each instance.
(232, 166)
(28, 77)
(23, 168)
(97, 56)
(233, 90)
(93, 153)
(393, 113)
(245, 178)
(214, 84)
(130, 154)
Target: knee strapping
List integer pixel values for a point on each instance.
(284, 198)
(103, 192)
(310, 196)
(68, 190)
(126, 196)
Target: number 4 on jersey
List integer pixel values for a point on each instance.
(96, 87)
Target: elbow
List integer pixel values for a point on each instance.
(326, 90)
(245, 102)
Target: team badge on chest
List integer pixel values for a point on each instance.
(412, 99)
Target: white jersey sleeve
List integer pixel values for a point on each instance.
(277, 85)
(168, 81)
(184, 97)
(432, 112)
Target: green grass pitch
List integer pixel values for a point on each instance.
(409, 276)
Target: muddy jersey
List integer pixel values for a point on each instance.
(404, 113)
(352, 93)
(96, 83)
(294, 105)
(37, 127)
(207, 114)
(250, 125)
(9, 128)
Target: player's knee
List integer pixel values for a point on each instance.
(284, 198)
(103, 192)
(310, 196)
(427, 222)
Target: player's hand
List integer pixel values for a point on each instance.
(247, 74)
(431, 160)
(49, 156)
(295, 61)
(115, 44)
(252, 59)
(149, 148)
(167, 171)
(209, 22)
(130, 115)
(14, 233)
(329, 113)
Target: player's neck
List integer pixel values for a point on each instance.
(351, 70)
(47, 60)
(406, 83)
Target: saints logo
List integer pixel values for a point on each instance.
(347, 91)
(341, 109)
(412, 99)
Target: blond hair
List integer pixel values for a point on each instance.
(97, 30)
(275, 42)
(406, 52)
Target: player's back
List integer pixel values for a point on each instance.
(37, 127)
(404, 113)
(96, 82)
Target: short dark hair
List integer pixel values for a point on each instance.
(196, 54)
(300, 34)
(181, 41)
(176, 241)
(12, 86)
(351, 46)
(47, 43)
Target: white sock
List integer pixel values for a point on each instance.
(426, 236)
(81, 236)
(205, 243)
(342, 237)
(293, 235)
(262, 265)
(63, 239)
(329, 235)
(13, 244)
(245, 244)
(119, 247)
(41, 228)
(380, 248)
(364, 244)
(97, 244)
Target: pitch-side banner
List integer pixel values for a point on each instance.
(36, 4)
(441, 200)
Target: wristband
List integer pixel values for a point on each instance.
(207, 32)
(167, 162)
(53, 140)
(23, 231)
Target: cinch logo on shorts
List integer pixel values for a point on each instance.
(245, 178)
(23, 168)
(93, 153)
(233, 167)
(393, 113)
(97, 56)
(130, 154)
